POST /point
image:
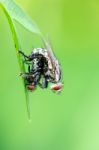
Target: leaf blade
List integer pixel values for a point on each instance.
(17, 47)
(17, 14)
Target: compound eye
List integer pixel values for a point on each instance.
(57, 87)
(31, 87)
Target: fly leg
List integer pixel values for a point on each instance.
(26, 60)
(44, 83)
(37, 78)
(25, 75)
(30, 57)
(28, 77)
(25, 56)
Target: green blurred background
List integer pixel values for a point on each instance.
(69, 121)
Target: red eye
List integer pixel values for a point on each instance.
(57, 87)
(31, 87)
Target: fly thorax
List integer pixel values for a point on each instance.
(35, 63)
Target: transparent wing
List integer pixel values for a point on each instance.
(48, 46)
(54, 60)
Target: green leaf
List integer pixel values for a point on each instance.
(14, 12)
(17, 14)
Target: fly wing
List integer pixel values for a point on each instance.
(54, 60)
(48, 46)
